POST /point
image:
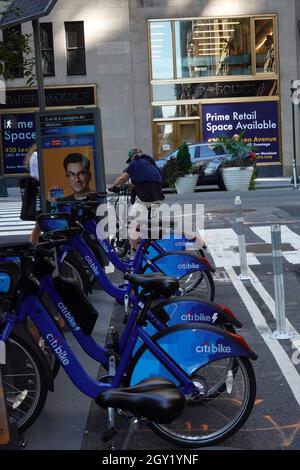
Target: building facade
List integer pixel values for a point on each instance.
(169, 71)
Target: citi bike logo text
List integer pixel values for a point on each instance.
(213, 348)
(61, 354)
(188, 266)
(103, 243)
(92, 265)
(67, 315)
(201, 317)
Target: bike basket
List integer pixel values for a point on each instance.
(52, 222)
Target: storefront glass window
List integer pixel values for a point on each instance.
(264, 46)
(161, 50)
(167, 112)
(213, 47)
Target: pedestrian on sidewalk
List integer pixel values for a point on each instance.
(31, 192)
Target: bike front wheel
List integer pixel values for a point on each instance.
(199, 283)
(222, 410)
(25, 383)
(226, 387)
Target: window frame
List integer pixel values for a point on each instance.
(77, 48)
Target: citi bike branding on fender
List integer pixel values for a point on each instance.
(194, 317)
(188, 266)
(61, 354)
(67, 315)
(92, 265)
(213, 348)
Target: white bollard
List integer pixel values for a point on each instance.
(244, 275)
(280, 332)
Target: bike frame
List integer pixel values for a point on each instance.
(30, 305)
(88, 344)
(77, 243)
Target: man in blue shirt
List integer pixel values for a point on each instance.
(147, 181)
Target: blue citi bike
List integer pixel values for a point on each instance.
(210, 366)
(192, 271)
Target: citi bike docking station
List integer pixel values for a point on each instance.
(216, 382)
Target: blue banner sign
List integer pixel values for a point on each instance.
(18, 135)
(258, 120)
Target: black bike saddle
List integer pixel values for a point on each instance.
(156, 283)
(156, 399)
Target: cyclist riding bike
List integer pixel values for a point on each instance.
(147, 180)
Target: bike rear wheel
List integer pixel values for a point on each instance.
(24, 383)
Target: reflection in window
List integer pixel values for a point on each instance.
(264, 46)
(213, 47)
(161, 49)
(47, 49)
(168, 112)
(211, 89)
(165, 139)
(75, 48)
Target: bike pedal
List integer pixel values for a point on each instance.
(109, 434)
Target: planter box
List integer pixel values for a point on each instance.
(237, 178)
(186, 184)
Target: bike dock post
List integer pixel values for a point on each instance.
(240, 230)
(9, 438)
(280, 332)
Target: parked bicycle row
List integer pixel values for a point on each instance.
(179, 362)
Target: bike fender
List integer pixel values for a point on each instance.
(191, 346)
(191, 309)
(180, 263)
(21, 331)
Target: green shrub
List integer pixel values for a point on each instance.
(183, 160)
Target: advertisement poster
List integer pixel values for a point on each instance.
(18, 135)
(258, 120)
(69, 153)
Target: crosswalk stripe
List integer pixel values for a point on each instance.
(287, 236)
(10, 223)
(11, 233)
(222, 245)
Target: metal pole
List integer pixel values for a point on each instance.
(295, 179)
(280, 332)
(38, 64)
(244, 275)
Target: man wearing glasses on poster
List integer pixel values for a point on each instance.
(77, 170)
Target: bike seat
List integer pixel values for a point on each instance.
(156, 283)
(156, 399)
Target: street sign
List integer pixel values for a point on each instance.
(21, 11)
